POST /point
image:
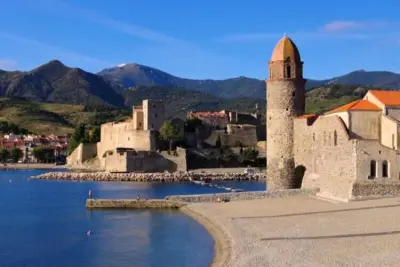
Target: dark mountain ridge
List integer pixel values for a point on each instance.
(55, 82)
(128, 75)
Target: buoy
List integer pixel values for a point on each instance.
(10, 181)
(88, 233)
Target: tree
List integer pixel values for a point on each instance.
(249, 155)
(44, 153)
(168, 132)
(94, 137)
(16, 153)
(4, 154)
(76, 138)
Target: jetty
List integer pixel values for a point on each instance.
(148, 177)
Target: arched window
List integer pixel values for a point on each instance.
(372, 171)
(335, 138)
(385, 169)
(288, 71)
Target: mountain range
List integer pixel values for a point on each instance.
(128, 75)
(53, 98)
(128, 84)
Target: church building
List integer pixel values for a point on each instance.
(347, 153)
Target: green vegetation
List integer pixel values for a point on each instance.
(48, 118)
(4, 154)
(83, 134)
(16, 153)
(44, 154)
(169, 133)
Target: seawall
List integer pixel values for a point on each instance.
(180, 201)
(146, 177)
(132, 204)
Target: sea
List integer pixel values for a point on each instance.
(44, 223)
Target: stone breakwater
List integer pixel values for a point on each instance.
(146, 177)
(132, 204)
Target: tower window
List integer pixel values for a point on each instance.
(288, 71)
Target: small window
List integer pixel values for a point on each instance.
(372, 169)
(313, 136)
(385, 169)
(152, 126)
(294, 94)
(155, 115)
(288, 73)
(335, 138)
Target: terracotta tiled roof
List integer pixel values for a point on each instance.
(388, 98)
(356, 105)
(208, 114)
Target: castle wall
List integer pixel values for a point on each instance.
(365, 124)
(369, 150)
(327, 156)
(145, 161)
(281, 110)
(389, 132)
(137, 119)
(244, 135)
(122, 135)
(81, 154)
(153, 114)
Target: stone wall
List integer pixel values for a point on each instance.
(81, 154)
(236, 134)
(115, 135)
(375, 188)
(365, 124)
(176, 162)
(325, 154)
(132, 204)
(241, 195)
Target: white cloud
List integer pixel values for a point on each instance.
(345, 25)
(8, 64)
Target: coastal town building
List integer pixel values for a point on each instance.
(29, 141)
(349, 152)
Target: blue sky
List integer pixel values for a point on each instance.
(214, 39)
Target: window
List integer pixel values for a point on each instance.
(385, 169)
(152, 126)
(288, 73)
(335, 138)
(393, 141)
(313, 136)
(372, 171)
(155, 115)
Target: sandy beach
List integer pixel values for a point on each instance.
(303, 231)
(31, 166)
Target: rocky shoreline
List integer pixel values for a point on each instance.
(147, 177)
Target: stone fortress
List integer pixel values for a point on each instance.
(347, 153)
(132, 145)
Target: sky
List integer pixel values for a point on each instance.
(213, 39)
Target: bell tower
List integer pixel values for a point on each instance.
(285, 101)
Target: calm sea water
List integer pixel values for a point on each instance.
(44, 224)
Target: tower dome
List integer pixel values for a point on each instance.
(284, 49)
